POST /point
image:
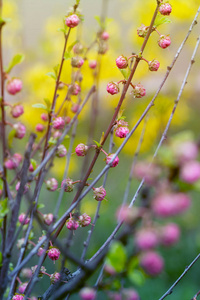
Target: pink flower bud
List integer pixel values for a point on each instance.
(130, 294)
(67, 119)
(87, 293)
(40, 251)
(53, 254)
(55, 277)
(61, 151)
(81, 149)
(190, 172)
(14, 86)
(74, 89)
(113, 88)
(48, 219)
(104, 36)
(92, 64)
(17, 157)
(122, 62)
(26, 188)
(22, 287)
(23, 219)
(114, 163)
(52, 184)
(20, 130)
(165, 9)
(42, 269)
(103, 47)
(170, 234)
(72, 21)
(186, 151)
(17, 111)
(127, 214)
(59, 123)
(1, 193)
(57, 134)
(67, 185)
(77, 62)
(121, 132)
(84, 220)
(138, 91)
(10, 164)
(39, 127)
(109, 270)
(121, 123)
(31, 168)
(72, 224)
(154, 65)
(44, 117)
(78, 48)
(146, 239)
(18, 297)
(26, 273)
(142, 30)
(152, 263)
(75, 107)
(151, 174)
(164, 41)
(99, 193)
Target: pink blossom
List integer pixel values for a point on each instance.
(87, 293)
(53, 254)
(130, 294)
(78, 48)
(40, 251)
(14, 86)
(72, 224)
(10, 164)
(164, 41)
(113, 88)
(138, 91)
(121, 132)
(52, 184)
(142, 31)
(105, 36)
(92, 64)
(190, 171)
(77, 62)
(122, 62)
(26, 187)
(44, 117)
(75, 107)
(61, 151)
(22, 287)
(84, 220)
(59, 123)
(81, 149)
(165, 9)
(20, 130)
(154, 65)
(146, 239)
(17, 111)
(127, 214)
(23, 219)
(186, 151)
(39, 127)
(152, 263)
(72, 21)
(151, 174)
(74, 89)
(55, 277)
(99, 193)
(26, 272)
(18, 297)
(170, 234)
(67, 185)
(48, 219)
(114, 163)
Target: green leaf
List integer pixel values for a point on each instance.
(98, 145)
(98, 19)
(40, 206)
(124, 73)
(34, 163)
(17, 59)
(161, 20)
(52, 141)
(52, 75)
(102, 137)
(61, 30)
(11, 136)
(136, 277)
(69, 49)
(4, 208)
(1, 259)
(77, 2)
(48, 103)
(39, 105)
(67, 55)
(3, 21)
(117, 256)
(56, 69)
